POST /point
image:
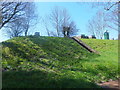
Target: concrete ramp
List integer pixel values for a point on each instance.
(80, 42)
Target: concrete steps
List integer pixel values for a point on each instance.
(80, 42)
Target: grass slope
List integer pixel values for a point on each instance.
(51, 62)
(107, 62)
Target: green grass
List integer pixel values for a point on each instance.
(50, 62)
(107, 62)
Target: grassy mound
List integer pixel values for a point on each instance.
(55, 62)
(107, 62)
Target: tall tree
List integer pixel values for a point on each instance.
(46, 23)
(10, 11)
(112, 11)
(108, 6)
(62, 23)
(24, 11)
(65, 18)
(56, 19)
(70, 29)
(112, 18)
(15, 28)
(30, 16)
(73, 29)
(98, 24)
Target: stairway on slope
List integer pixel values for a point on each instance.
(80, 42)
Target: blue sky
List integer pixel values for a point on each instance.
(80, 14)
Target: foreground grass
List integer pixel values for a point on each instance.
(107, 62)
(51, 62)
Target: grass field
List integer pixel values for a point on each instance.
(50, 62)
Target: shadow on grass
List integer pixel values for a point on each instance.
(40, 79)
(14, 47)
(62, 48)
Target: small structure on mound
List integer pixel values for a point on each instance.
(92, 37)
(86, 37)
(106, 34)
(37, 34)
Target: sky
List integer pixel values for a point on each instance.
(80, 14)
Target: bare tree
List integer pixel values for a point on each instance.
(91, 27)
(98, 24)
(62, 23)
(112, 18)
(30, 17)
(46, 23)
(73, 29)
(70, 29)
(56, 19)
(106, 5)
(10, 11)
(24, 11)
(65, 23)
(15, 28)
(112, 11)
(65, 18)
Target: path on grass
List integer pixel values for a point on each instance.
(111, 84)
